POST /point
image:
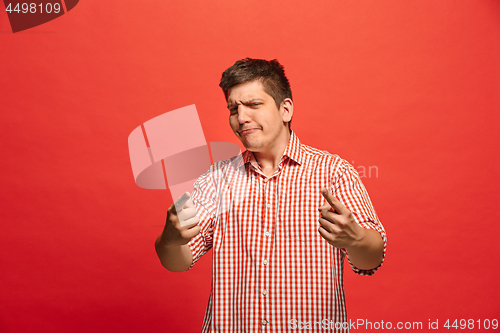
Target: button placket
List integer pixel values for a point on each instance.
(268, 218)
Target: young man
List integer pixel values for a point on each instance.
(280, 218)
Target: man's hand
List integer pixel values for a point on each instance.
(181, 226)
(182, 223)
(338, 227)
(365, 247)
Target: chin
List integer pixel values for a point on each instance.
(252, 147)
(252, 144)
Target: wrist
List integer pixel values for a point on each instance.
(358, 239)
(163, 242)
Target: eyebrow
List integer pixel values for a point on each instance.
(250, 101)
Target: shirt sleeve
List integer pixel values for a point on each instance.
(204, 200)
(349, 189)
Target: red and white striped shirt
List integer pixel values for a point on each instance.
(271, 267)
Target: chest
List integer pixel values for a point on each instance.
(280, 210)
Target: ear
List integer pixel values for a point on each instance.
(286, 110)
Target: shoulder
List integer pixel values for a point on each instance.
(324, 158)
(222, 168)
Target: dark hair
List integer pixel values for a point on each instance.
(270, 73)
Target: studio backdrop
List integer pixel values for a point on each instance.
(408, 92)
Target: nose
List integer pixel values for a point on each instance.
(243, 114)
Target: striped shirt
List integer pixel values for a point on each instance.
(272, 270)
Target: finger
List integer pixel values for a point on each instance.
(334, 202)
(329, 226)
(188, 203)
(190, 233)
(333, 217)
(186, 214)
(189, 223)
(326, 205)
(325, 234)
(325, 224)
(180, 202)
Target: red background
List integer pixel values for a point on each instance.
(411, 87)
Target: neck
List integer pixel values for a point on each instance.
(270, 158)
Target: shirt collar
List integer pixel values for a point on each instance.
(293, 151)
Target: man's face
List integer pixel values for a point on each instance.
(255, 119)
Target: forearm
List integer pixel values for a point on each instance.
(175, 258)
(367, 252)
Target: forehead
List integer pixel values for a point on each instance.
(248, 90)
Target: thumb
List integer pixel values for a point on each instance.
(180, 202)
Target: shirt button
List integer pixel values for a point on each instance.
(264, 322)
(268, 206)
(267, 234)
(264, 292)
(265, 262)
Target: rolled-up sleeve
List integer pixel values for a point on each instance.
(348, 188)
(204, 199)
